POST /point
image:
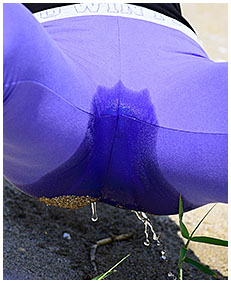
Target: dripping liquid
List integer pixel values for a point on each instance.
(147, 224)
(94, 216)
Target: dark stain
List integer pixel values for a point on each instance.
(117, 159)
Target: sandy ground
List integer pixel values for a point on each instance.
(34, 243)
(35, 247)
(210, 21)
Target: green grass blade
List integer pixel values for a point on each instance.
(180, 273)
(181, 210)
(97, 277)
(200, 266)
(183, 252)
(183, 229)
(103, 275)
(110, 271)
(209, 240)
(202, 220)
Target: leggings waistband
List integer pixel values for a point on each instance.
(114, 9)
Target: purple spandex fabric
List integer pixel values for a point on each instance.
(126, 110)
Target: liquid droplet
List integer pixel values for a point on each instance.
(171, 276)
(94, 216)
(163, 255)
(147, 223)
(147, 242)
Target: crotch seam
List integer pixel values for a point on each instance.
(117, 112)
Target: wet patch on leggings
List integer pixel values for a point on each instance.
(117, 159)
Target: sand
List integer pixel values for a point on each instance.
(35, 246)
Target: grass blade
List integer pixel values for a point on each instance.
(200, 266)
(183, 252)
(97, 277)
(209, 240)
(103, 275)
(181, 210)
(110, 271)
(202, 220)
(183, 229)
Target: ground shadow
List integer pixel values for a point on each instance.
(34, 246)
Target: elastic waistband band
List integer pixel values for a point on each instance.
(114, 9)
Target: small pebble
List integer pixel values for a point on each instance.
(20, 249)
(66, 236)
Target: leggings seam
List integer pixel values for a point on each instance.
(51, 91)
(117, 112)
(118, 115)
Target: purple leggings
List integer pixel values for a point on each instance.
(114, 102)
